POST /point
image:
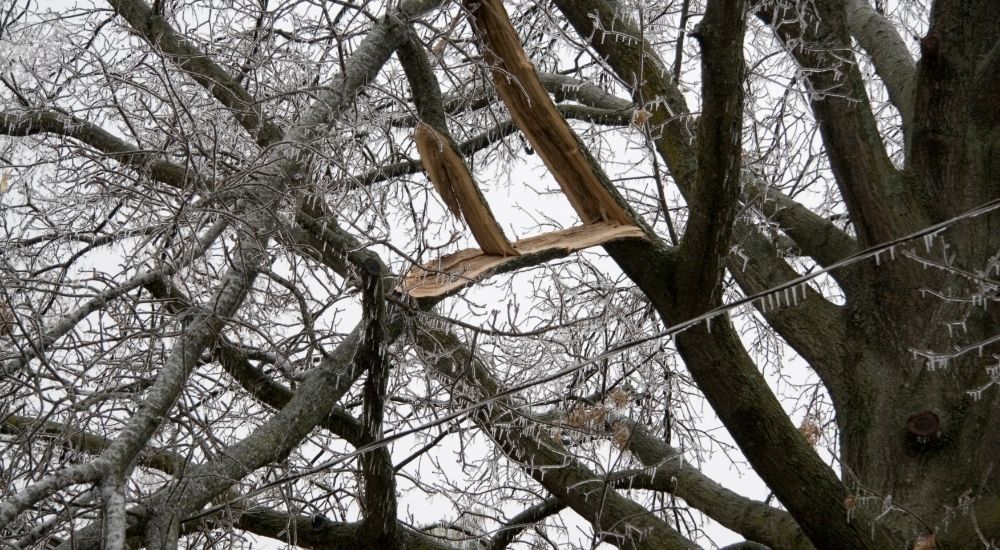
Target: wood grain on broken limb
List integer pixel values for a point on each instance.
(451, 178)
(455, 271)
(535, 114)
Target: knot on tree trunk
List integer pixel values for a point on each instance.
(923, 430)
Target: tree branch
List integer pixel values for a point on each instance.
(738, 393)
(159, 459)
(260, 386)
(76, 474)
(226, 89)
(38, 121)
(668, 471)
(532, 109)
(615, 518)
(115, 519)
(880, 206)
(483, 140)
(203, 328)
(814, 235)
(41, 343)
(523, 520)
(563, 88)
(640, 68)
(813, 326)
(713, 202)
(671, 473)
(318, 532)
(260, 448)
(379, 496)
(444, 166)
(892, 60)
(672, 119)
(754, 417)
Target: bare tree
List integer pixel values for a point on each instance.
(258, 279)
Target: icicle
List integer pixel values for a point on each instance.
(708, 324)
(928, 242)
(878, 259)
(892, 252)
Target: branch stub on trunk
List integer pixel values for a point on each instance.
(923, 430)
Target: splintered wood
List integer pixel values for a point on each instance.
(452, 180)
(536, 115)
(605, 219)
(454, 272)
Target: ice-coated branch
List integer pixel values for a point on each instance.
(817, 38)
(13, 506)
(615, 518)
(668, 471)
(63, 326)
(41, 121)
(714, 199)
(892, 60)
(523, 520)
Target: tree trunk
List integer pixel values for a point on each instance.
(922, 327)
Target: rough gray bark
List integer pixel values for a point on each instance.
(893, 62)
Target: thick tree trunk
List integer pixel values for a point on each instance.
(912, 435)
(919, 431)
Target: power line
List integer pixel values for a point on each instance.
(706, 317)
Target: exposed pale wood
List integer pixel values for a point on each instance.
(536, 115)
(452, 180)
(455, 271)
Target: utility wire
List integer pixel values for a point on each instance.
(706, 317)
